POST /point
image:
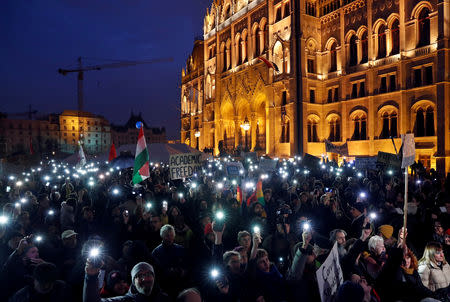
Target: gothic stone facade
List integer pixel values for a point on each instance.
(370, 70)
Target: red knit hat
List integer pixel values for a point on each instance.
(208, 229)
(447, 232)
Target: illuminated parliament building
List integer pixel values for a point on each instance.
(280, 77)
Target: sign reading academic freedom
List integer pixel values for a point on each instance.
(184, 165)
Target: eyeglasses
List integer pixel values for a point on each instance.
(439, 252)
(146, 275)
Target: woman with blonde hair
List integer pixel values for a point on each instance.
(433, 268)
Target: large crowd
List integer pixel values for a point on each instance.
(87, 234)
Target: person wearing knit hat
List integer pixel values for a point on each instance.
(385, 231)
(142, 289)
(116, 285)
(350, 292)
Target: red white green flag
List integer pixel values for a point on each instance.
(141, 160)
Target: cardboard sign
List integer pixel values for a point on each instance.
(233, 168)
(184, 165)
(267, 164)
(329, 276)
(389, 159)
(362, 163)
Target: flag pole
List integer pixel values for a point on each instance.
(405, 207)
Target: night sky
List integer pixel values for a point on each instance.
(40, 36)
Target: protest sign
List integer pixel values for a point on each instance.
(369, 162)
(184, 165)
(389, 159)
(233, 168)
(267, 164)
(250, 156)
(311, 161)
(329, 276)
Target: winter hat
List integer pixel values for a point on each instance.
(360, 206)
(386, 230)
(208, 229)
(45, 272)
(447, 232)
(350, 292)
(140, 267)
(114, 277)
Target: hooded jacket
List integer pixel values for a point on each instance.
(92, 294)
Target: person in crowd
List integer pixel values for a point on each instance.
(143, 287)
(190, 295)
(339, 236)
(357, 212)
(386, 231)
(433, 268)
(115, 285)
(45, 288)
(376, 257)
(170, 258)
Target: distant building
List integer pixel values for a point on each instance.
(55, 133)
(93, 131)
(128, 133)
(356, 72)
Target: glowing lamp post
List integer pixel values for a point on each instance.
(246, 127)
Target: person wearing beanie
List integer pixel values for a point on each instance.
(142, 289)
(350, 292)
(385, 231)
(45, 286)
(357, 212)
(116, 285)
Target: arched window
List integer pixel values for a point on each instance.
(381, 41)
(395, 35)
(278, 57)
(257, 41)
(227, 12)
(353, 51)
(244, 47)
(287, 11)
(420, 125)
(360, 127)
(333, 57)
(364, 48)
(424, 27)
(278, 14)
(429, 126)
(208, 87)
(238, 50)
(385, 130)
(228, 55)
(335, 130)
(312, 131)
(223, 56)
(393, 129)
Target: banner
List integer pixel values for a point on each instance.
(329, 276)
(310, 161)
(362, 163)
(267, 164)
(342, 150)
(184, 165)
(389, 159)
(409, 150)
(233, 168)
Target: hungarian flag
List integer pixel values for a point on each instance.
(141, 167)
(269, 63)
(81, 156)
(239, 195)
(259, 193)
(112, 153)
(31, 147)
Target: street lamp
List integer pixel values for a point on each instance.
(197, 136)
(246, 127)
